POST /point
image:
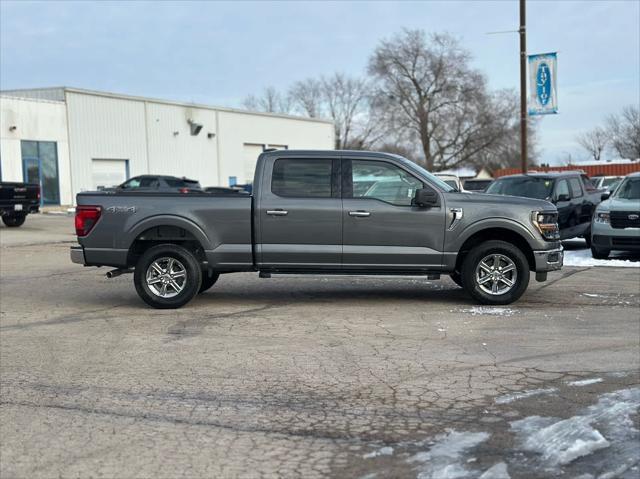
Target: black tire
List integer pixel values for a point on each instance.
(456, 278)
(13, 221)
(506, 250)
(186, 260)
(598, 253)
(587, 238)
(209, 278)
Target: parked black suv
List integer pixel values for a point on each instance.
(571, 191)
(160, 183)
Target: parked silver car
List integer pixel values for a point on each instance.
(616, 222)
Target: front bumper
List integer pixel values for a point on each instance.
(616, 242)
(549, 260)
(77, 254)
(604, 237)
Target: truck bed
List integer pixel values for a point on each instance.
(220, 223)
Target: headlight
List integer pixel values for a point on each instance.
(602, 217)
(547, 224)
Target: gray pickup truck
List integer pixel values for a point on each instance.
(320, 212)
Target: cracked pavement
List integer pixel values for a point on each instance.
(291, 376)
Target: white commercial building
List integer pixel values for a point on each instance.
(71, 140)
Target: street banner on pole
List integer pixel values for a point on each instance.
(543, 95)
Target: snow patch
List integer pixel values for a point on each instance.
(560, 442)
(444, 459)
(497, 471)
(509, 398)
(583, 257)
(585, 382)
(487, 310)
(383, 451)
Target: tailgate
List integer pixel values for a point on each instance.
(12, 194)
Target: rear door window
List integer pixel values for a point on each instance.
(302, 178)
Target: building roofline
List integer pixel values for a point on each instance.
(124, 96)
(37, 100)
(191, 104)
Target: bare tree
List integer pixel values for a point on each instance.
(594, 141)
(271, 101)
(347, 101)
(438, 96)
(307, 97)
(504, 150)
(624, 130)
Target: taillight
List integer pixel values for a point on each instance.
(86, 219)
(184, 190)
(38, 192)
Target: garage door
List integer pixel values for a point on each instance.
(106, 173)
(251, 153)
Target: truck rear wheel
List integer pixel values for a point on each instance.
(495, 272)
(167, 276)
(209, 278)
(13, 221)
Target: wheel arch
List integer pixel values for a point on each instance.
(496, 233)
(166, 229)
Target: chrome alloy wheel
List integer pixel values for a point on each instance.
(166, 277)
(496, 274)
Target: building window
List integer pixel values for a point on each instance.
(40, 165)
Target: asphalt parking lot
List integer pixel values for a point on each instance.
(311, 377)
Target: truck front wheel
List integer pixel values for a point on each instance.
(167, 276)
(495, 272)
(14, 220)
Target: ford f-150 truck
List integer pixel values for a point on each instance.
(320, 212)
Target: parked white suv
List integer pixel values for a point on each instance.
(616, 222)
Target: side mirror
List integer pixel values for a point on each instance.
(563, 197)
(605, 196)
(425, 197)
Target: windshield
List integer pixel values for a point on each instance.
(609, 181)
(421, 171)
(527, 186)
(629, 189)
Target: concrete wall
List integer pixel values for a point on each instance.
(35, 120)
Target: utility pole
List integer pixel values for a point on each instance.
(523, 85)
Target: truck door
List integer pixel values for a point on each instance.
(583, 204)
(562, 200)
(382, 230)
(299, 214)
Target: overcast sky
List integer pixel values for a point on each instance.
(217, 53)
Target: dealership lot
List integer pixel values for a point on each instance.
(308, 377)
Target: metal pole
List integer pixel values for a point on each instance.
(523, 85)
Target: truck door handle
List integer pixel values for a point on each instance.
(277, 212)
(359, 214)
